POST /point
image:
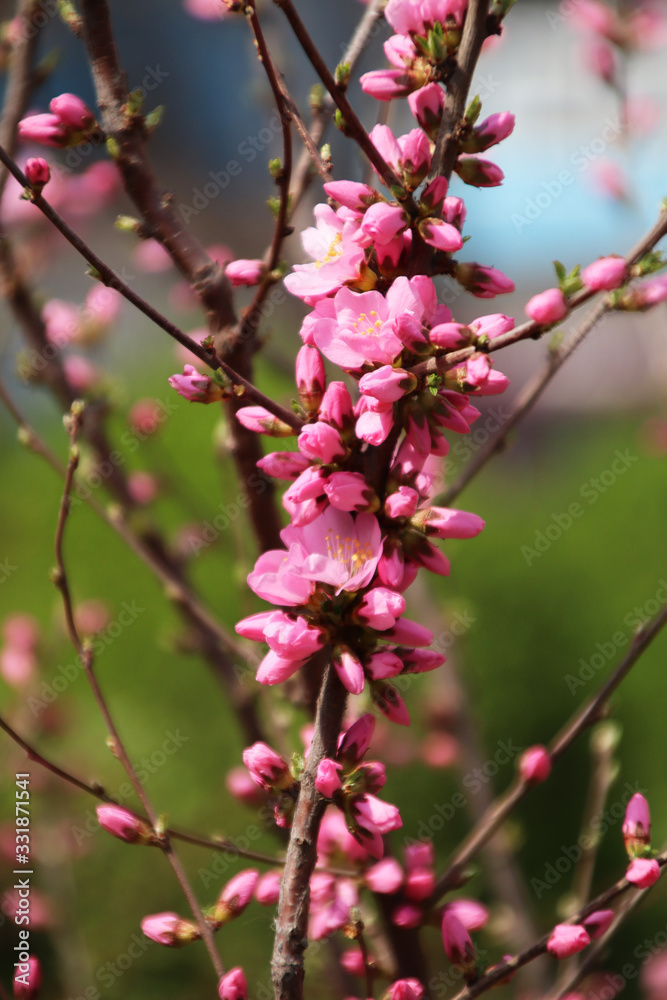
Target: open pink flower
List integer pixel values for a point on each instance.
(274, 579)
(335, 549)
(337, 259)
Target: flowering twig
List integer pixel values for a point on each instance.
(532, 392)
(503, 969)
(85, 654)
(579, 722)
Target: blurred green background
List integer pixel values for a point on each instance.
(534, 617)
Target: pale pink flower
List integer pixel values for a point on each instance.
(359, 331)
(208, 10)
(17, 666)
(62, 321)
(275, 579)
(337, 258)
(150, 256)
(567, 940)
(336, 549)
(547, 307)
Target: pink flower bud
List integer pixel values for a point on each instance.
(535, 765)
(28, 979)
(446, 522)
(350, 491)
(321, 442)
(327, 781)
(387, 384)
(386, 84)
(283, 464)
(643, 872)
(239, 784)
(267, 768)
(145, 417)
(636, 827)
(478, 172)
(275, 669)
(245, 272)
(473, 915)
(605, 274)
(420, 884)
(235, 896)
(293, 639)
(547, 307)
(267, 890)
(380, 608)
(336, 408)
(233, 985)
(352, 194)
(382, 223)
(125, 825)
(46, 129)
(427, 105)
(259, 420)
(37, 172)
(73, 112)
(411, 633)
(349, 670)
(457, 942)
(440, 235)
(492, 130)
(484, 282)
(310, 378)
(385, 877)
(598, 923)
(387, 699)
(353, 962)
(567, 940)
(356, 740)
(406, 989)
(197, 388)
(169, 929)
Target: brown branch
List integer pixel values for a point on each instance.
(321, 119)
(85, 654)
(354, 126)
(580, 721)
(205, 275)
(291, 936)
(448, 143)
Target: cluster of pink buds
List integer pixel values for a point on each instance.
(69, 123)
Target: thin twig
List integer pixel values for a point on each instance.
(556, 359)
(85, 654)
(503, 969)
(580, 721)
